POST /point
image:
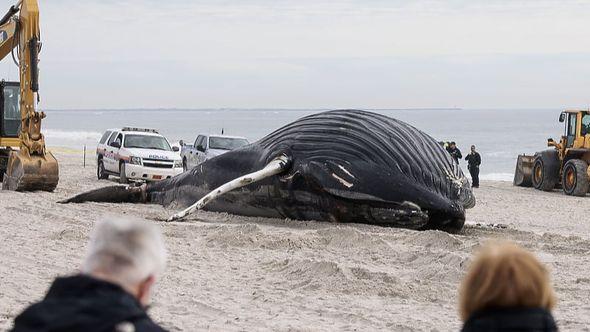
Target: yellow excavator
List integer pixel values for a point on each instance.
(25, 163)
(566, 164)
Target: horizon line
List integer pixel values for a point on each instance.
(307, 109)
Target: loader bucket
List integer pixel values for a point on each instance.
(523, 175)
(26, 172)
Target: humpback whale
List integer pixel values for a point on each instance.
(339, 166)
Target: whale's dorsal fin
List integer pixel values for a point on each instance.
(274, 167)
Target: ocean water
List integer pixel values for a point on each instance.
(500, 135)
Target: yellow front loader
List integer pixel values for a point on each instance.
(25, 164)
(566, 164)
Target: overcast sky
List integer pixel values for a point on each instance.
(313, 54)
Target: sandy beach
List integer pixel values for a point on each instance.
(230, 273)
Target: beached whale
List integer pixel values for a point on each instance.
(339, 166)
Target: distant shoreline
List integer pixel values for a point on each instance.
(244, 109)
(234, 109)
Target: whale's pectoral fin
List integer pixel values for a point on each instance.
(111, 194)
(276, 166)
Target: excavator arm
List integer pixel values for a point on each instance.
(32, 167)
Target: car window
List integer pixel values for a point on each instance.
(119, 139)
(198, 140)
(105, 136)
(113, 136)
(147, 142)
(226, 143)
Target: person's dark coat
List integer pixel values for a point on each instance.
(511, 320)
(473, 160)
(81, 303)
(455, 153)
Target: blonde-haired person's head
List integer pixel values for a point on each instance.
(504, 275)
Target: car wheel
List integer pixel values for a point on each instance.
(100, 171)
(122, 174)
(575, 178)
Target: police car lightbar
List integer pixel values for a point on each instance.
(146, 130)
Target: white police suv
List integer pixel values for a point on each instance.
(136, 154)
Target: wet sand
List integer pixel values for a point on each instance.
(228, 273)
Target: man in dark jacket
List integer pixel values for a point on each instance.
(454, 151)
(473, 162)
(112, 292)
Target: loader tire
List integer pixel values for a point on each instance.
(575, 180)
(546, 170)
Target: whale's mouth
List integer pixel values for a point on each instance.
(406, 214)
(349, 206)
(408, 217)
(402, 216)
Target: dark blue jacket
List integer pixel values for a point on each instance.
(84, 304)
(511, 320)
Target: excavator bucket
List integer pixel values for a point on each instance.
(29, 173)
(523, 175)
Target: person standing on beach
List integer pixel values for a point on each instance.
(473, 162)
(455, 152)
(124, 259)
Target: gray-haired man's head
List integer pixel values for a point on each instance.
(129, 253)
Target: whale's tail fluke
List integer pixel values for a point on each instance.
(111, 194)
(274, 167)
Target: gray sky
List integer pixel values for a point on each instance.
(313, 54)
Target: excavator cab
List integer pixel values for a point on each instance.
(9, 109)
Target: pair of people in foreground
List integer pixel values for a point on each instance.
(505, 289)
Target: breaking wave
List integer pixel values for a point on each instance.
(71, 139)
(71, 135)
